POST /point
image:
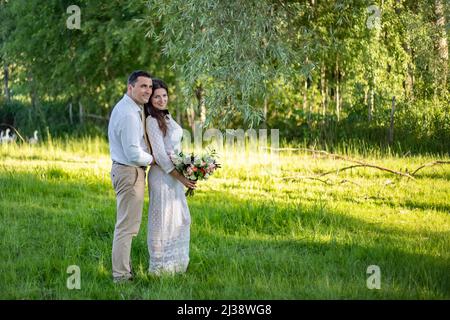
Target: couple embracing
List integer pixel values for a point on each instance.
(142, 134)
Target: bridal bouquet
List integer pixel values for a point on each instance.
(195, 167)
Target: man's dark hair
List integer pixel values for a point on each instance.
(135, 74)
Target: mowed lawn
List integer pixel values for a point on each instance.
(258, 231)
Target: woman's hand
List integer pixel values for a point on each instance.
(189, 183)
(185, 181)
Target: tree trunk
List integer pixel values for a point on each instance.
(338, 100)
(70, 113)
(6, 80)
(265, 113)
(35, 103)
(305, 97)
(441, 42)
(409, 81)
(366, 103)
(191, 117)
(323, 90)
(309, 105)
(199, 93)
(80, 108)
(409, 76)
(34, 100)
(341, 89)
(372, 103)
(391, 128)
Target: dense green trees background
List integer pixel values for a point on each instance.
(320, 71)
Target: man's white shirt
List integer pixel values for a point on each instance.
(126, 134)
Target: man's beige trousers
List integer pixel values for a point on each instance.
(129, 185)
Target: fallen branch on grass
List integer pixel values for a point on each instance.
(345, 180)
(304, 177)
(429, 164)
(336, 156)
(323, 181)
(368, 165)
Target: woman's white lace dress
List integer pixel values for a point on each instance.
(168, 214)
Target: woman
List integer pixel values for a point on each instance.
(168, 214)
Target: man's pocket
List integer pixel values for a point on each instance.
(123, 178)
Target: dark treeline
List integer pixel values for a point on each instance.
(320, 71)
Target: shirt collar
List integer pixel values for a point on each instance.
(133, 103)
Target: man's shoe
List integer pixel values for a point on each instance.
(119, 280)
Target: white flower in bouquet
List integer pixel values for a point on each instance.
(197, 161)
(187, 159)
(208, 160)
(176, 159)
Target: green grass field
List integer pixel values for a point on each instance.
(254, 235)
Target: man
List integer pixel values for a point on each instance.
(130, 156)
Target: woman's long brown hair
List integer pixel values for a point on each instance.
(149, 109)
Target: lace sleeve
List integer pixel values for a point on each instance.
(155, 137)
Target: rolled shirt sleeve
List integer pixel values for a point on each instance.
(156, 139)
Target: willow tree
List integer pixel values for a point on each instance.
(224, 52)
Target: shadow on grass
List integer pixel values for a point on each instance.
(425, 206)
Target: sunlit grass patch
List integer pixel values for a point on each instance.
(260, 230)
